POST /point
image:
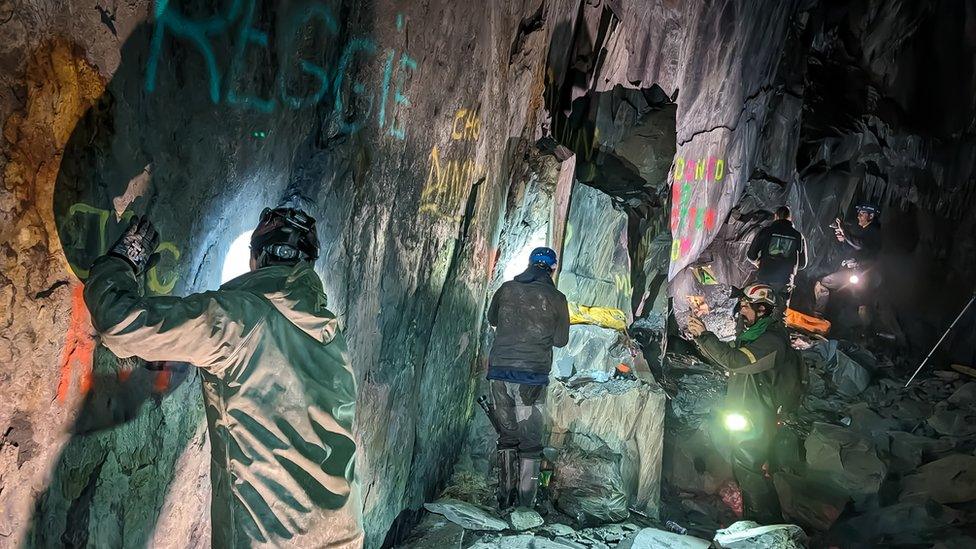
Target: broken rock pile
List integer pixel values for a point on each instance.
(880, 465)
(616, 427)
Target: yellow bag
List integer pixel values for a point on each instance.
(605, 317)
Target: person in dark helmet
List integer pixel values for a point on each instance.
(766, 380)
(862, 244)
(780, 251)
(530, 317)
(278, 387)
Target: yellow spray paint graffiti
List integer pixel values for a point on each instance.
(448, 177)
(467, 126)
(80, 239)
(622, 283)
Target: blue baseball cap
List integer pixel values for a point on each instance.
(543, 255)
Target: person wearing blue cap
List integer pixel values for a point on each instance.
(530, 317)
(861, 242)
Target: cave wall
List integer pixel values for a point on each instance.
(401, 126)
(872, 101)
(386, 121)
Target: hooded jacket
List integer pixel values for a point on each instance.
(530, 317)
(279, 392)
(781, 251)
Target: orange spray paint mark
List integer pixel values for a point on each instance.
(163, 379)
(79, 346)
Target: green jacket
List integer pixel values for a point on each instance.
(279, 392)
(776, 369)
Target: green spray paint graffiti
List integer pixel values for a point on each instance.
(334, 86)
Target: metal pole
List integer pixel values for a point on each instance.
(951, 326)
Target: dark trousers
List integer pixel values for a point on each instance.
(841, 279)
(520, 414)
(750, 452)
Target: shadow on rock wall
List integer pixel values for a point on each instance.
(197, 129)
(220, 108)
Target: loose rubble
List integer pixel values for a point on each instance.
(525, 519)
(749, 535)
(863, 462)
(652, 538)
(467, 515)
(880, 464)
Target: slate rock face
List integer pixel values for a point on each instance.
(397, 146)
(401, 126)
(625, 416)
(596, 267)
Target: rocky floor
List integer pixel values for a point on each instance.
(455, 523)
(865, 462)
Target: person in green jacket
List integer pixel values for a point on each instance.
(765, 380)
(279, 391)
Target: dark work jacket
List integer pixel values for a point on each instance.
(782, 381)
(862, 243)
(780, 250)
(530, 317)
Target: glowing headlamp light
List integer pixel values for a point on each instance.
(855, 279)
(737, 422)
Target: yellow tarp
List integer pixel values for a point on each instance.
(796, 319)
(605, 317)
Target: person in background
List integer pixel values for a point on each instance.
(279, 391)
(530, 317)
(780, 251)
(861, 242)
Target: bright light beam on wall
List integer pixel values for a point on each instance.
(520, 261)
(238, 259)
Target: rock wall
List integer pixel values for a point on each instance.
(402, 126)
(856, 110)
(595, 268)
(388, 122)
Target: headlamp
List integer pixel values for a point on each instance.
(734, 421)
(282, 251)
(855, 279)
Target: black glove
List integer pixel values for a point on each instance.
(137, 244)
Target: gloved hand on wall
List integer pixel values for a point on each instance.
(137, 244)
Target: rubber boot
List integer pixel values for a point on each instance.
(508, 475)
(528, 481)
(759, 499)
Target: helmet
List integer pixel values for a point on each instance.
(868, 207)
(546, 256)
(285, 235)
(759, 294)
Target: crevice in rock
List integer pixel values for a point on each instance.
(76, 534)
(43, 294)
(528, 25)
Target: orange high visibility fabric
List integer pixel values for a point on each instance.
(796, 319)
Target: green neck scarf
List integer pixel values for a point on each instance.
(753, 332)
